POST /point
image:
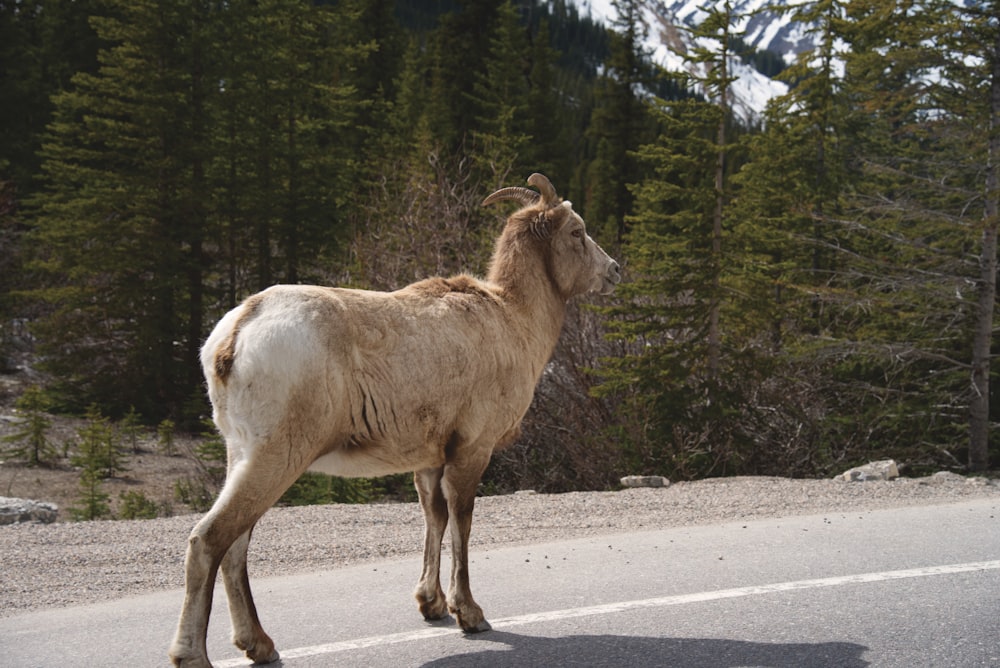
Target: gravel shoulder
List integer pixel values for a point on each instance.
(59, 565)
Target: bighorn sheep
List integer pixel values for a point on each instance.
(430, 378)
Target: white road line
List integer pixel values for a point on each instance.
(610, 608)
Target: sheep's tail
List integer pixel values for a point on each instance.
(225, 354)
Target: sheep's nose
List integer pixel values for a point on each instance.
(615, 272)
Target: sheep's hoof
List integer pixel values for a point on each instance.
(478, 628)
(190, 662)
(434, 610)
(271, 659)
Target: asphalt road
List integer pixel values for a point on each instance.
(894, 588)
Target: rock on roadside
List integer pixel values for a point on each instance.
(645, 481)
(13, 511)
(881, 470)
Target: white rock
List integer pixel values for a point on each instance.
(881, 470)
(645, 481)
(13, 511)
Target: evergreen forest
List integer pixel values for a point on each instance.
(806, 290)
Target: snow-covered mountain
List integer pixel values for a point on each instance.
(764, 30)
(669, 41)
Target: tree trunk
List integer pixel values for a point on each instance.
(714, 333)
(979, 410)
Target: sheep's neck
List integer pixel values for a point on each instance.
(536, 307)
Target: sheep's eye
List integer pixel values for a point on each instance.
(578, 233)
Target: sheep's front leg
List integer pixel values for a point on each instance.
(430, 596)
(459, 485)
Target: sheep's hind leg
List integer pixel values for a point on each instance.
(248, 634)
(207, 544)
(461, 478)
(430, 597)
(252, 487)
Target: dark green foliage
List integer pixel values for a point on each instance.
(93, 500)
(107, 456)
(98, 458)
(31, 441)
(42, 45)
(130, 428)
(194, 493)
(500, 97)
(691, 311)
(316, 488)
(167, 167)
(620, 123)
(137, 506)
(211, 453)
(165, 437)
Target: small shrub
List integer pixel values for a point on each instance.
(317, 488)
(104, 449)
(95, 458)
(130, 428)
(165, 436)
(193, 493)
(137, 506)
(211, 453)
(31, 441)
(93, 501)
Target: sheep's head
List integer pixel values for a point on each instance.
(574, 261)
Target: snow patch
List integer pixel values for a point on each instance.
(668, 41)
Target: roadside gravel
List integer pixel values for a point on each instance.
(57, 565)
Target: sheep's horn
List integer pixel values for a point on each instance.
(516, 193)
(545, 187)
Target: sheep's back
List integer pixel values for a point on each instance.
(414, 365)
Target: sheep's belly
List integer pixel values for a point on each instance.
(369, 463)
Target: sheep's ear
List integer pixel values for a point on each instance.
(541, 225)
(548, 221)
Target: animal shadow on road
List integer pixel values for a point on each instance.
(642, 652)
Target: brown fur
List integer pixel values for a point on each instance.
(227, 351)
(430, 378)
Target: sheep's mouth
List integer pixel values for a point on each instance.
(608, 284)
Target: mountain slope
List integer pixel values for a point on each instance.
(669, 41)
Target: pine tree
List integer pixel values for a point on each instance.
(165, 437)
(96, 457)
(791, 190)
(42, 44)
(211, 453)
(31, 441)
(979, 420)
(698, 303)
(458, 51)
(716, 30)
(973, 96)
(549, 114)
(619, 124)
(787, 220)
(500, 94)
(108, 456)
(901, 335)
(122, 218)
(672, 378)
(287, 101)
(130, 429)
(194, 167)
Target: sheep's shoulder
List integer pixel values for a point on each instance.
(461, 285)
